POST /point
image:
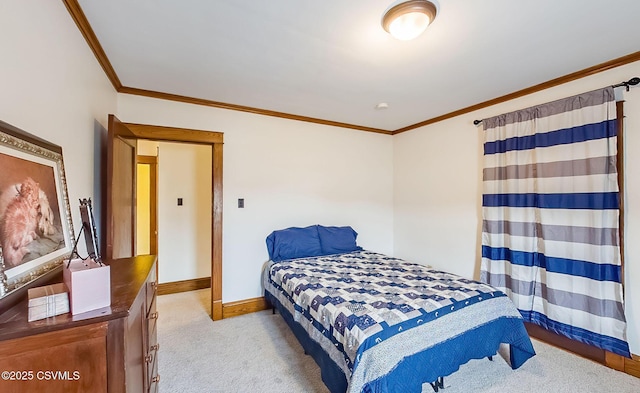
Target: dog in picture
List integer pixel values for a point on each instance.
(46, 226)
(20, 221)
(45, 219)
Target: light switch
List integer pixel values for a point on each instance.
(179, 201)
(240, 203)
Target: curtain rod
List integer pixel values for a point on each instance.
(631, 82)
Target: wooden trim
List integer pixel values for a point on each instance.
(85, 28)
(626, 365)
(632, 366)
(248, 109)
(614, 361)
(172, 134)
(216, 310)
(216, 233)
(620, 61)
(241, 307)
(606, 358)
(87, 32)
(191, 136)
(148, 160)
(194, 284)
(576, 347)
(617, 362)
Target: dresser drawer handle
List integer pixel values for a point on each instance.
(155, 347)
(156, 378)
(153, 284)
(153, 315)
(148, 359)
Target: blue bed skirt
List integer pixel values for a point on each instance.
(425, 366)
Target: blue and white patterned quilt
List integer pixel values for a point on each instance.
(369, 311)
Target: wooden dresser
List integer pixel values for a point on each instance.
(112, 349)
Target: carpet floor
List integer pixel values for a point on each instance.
(258, 353)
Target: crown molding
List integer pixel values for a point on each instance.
(87, 32)
(620, 61)
(83, 25)
(248, 109)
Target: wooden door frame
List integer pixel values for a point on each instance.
(152, 161)
(215, 140)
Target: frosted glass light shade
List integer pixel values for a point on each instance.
(408, 20)
(409, 26)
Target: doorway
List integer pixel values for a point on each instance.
(173, 201)
(147, 205)
(119, 215)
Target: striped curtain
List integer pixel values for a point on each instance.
(550, 202)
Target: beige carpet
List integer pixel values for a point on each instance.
(258, 353)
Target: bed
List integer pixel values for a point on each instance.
(374, 323)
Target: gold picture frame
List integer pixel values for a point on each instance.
(36, 232)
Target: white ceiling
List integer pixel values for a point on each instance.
(332, 60)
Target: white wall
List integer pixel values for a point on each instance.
(290, 173)
(52, 86)
(437, 187)
(147, 148)
(184, 232)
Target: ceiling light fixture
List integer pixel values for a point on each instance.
(406, 21)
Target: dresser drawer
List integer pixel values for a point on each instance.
(154, 379)
(153, 388)
(152, 316)
(151, 361)
(151, 346)
(74, 358)
(151, 287)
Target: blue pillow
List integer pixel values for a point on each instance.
(294, 243)
(337, 240)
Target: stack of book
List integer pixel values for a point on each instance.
(48, 301)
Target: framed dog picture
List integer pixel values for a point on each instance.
(36, 232)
